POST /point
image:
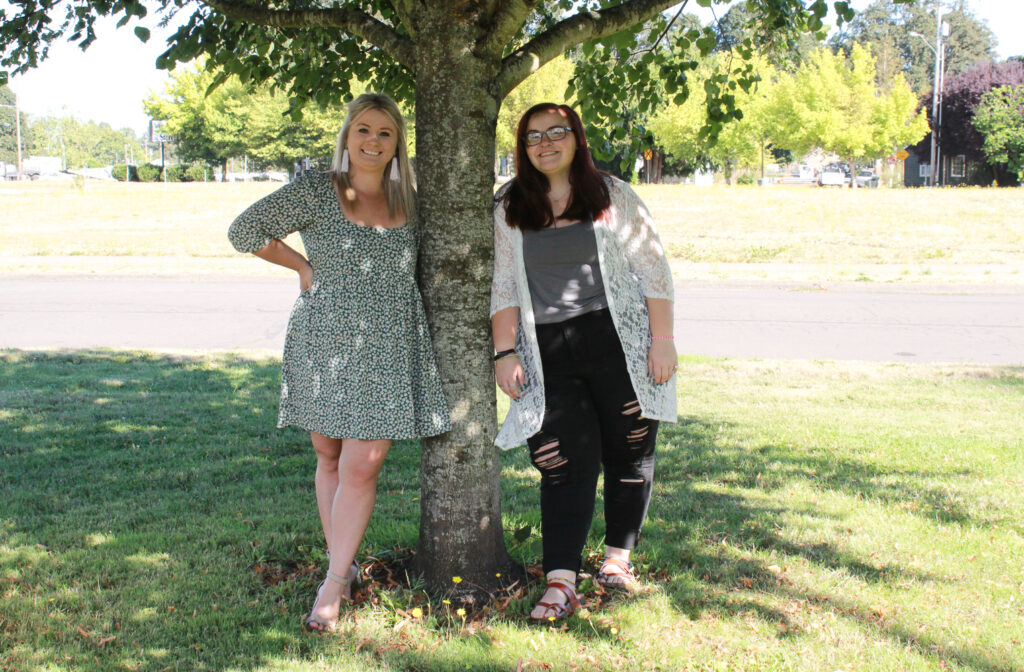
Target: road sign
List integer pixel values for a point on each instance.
(156, 131)
(648, 155)
(902, 155)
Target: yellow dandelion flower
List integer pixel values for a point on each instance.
(498, 574)
(417, 613)
(446, 601)
(460, 611)
(456, 579)
(614, 631)
(551, 618)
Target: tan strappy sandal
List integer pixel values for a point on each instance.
(560, 609)
(314, 623)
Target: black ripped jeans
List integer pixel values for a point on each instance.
(591, 419)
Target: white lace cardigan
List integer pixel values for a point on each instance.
(633, 266)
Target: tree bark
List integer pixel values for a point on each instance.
(456, 114)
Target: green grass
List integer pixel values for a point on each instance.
(945, 235)
(807, 516)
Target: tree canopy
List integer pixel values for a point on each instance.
(886, 26)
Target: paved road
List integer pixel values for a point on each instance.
(983, 325)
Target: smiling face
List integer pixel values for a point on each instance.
(552, 158)
(372, 141)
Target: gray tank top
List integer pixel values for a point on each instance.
(563, 272)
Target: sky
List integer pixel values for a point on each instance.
(109, 81)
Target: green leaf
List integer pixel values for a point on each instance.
(706, 45)
(142, 33)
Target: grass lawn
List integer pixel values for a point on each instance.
(943, 235)
(808, 516)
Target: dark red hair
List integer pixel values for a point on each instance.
(526, 201)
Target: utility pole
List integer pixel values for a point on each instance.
(935, 92)
(941, 31)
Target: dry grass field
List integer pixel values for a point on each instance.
(778, 233)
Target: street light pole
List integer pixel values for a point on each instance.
(941, 30)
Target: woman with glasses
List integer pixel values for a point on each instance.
(358, 369)
(581, 312)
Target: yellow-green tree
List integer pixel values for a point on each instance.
(741, 143)
(834, 104)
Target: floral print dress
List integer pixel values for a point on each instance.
(358, 362)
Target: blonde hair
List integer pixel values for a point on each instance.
(401, 195)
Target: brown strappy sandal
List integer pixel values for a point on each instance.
(625, 579)
(561, 610)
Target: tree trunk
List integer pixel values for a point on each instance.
(456, 114)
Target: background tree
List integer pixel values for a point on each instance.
(999, 118)
(84, 144)
(885, 27)
(203, 127)
(457, 60)
(234, 120)
(9, 130)
(742, 143)
(960, 98)
(836, 105)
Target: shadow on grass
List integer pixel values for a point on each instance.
(689, 518)
(141, 490)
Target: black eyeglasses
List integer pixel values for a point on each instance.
(555, 133)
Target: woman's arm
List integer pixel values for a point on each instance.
(662, 360)
(508, 371)
(277, 252)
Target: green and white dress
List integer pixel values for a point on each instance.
(358, 362)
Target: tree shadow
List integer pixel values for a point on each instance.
(687, 522)
(141, 492)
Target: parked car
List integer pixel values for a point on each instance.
(867, 179)
(832, 176)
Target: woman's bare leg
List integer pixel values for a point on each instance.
(328, 452)
(358, 468)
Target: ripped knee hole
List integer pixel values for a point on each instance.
(548, 457)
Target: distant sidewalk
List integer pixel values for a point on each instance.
(974, 324)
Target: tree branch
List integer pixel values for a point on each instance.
(404, 10)
(507, 21)
(574, 30)
(353, 21)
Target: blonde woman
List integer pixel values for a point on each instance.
(358, 370)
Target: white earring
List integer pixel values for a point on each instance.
(344, 161)
(395, 176)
